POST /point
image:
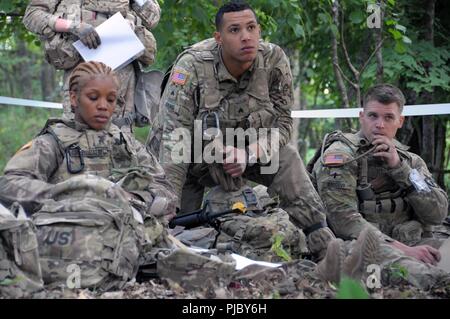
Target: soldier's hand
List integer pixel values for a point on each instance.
(424, 253)
(162, 208)
(385, 149)
(235, 161)
(86, 33)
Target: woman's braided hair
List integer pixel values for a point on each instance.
(86, 71)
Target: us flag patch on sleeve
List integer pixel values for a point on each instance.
(179, 77)
(334, 159)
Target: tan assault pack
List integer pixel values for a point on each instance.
(89, 236)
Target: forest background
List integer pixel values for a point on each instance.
(337, 50)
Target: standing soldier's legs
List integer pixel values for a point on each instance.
(67, 108)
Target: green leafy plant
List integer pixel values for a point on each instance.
(351, 289)
(277, 248)
(398, 271)
(10, 282)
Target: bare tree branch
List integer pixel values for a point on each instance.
(378, 47)
(334, 45)
(344, 47)
(345, 77)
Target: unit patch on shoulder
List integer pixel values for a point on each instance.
(335, 159)
(25, 147)
(179, 76)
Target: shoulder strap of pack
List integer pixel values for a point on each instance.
(61, 131)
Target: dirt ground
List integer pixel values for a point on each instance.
(294, 286)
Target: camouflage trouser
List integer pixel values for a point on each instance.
(291, 183)
(125, 102)
(413, 233)
(393, 261)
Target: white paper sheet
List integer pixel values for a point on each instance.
(241, 261)
(119, 47)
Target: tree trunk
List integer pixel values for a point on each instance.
(428, 125)
(48, 83)
(378, 35)
(441, 131)
(24, 71)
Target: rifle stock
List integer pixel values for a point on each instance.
(202, 216)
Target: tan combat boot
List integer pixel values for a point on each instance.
(330, 268)
(365, 251)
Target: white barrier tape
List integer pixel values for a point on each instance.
(32, 103)
(408, 110)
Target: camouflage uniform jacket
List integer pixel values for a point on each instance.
(40, 15)
(200, 82)
(55, 155)
(348, 214)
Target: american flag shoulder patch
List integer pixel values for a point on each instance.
(333, 159)
(179, 76)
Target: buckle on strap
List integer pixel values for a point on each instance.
(69, 151)
(205, 126)
(314, 227)
(240, 233)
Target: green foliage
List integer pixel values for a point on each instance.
(11, 12)
(398, 271)
(10, 282)
(277, 248)
(302, 27)
(351, 289)
(276, 295)
(141, 133)
(18, 125)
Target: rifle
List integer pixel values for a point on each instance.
(203, 216)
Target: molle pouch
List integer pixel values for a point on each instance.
(20, 271)
(148, 10)
(60, 52)
(108, 6)
(149, 42)
(365, 192)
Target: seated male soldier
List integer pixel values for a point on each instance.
(236, 82)
(370, 179)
